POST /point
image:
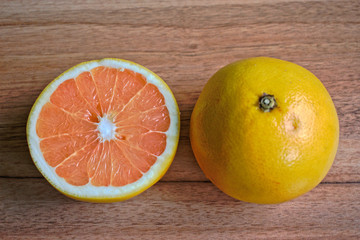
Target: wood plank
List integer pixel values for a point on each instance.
(31, 208)
(185, 168)
(15, 159)
(184, 42)
(339, 75)
(164, 13)
(20, 86)
(184, 54)
(106, 39)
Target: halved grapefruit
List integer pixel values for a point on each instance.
(104, 130)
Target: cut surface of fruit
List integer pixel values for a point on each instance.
(104, 130)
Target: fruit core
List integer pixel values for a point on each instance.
(106, 128)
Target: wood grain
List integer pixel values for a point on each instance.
(186, 78)
(177, 211)
(185, 168)
(184, 42)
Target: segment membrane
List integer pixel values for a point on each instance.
(70, 140)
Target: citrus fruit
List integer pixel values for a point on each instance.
(264, 130)
(104, 130)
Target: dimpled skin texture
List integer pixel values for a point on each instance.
(264, 157)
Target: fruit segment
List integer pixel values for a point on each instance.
(57, 148)
(54, 121)
(155, 119)
(124, 171)
(71, 139)
(128, 84)
(105, 79)
(74, 168)
(86, 85)
(101, 166)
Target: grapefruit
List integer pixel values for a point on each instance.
(104, 130)
(264, 130)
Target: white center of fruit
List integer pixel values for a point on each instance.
(106, 128)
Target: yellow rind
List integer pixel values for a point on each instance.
(257, 156)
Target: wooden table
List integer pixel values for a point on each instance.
(184, 42)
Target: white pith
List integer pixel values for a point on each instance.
(106, 128)
(88, 190)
